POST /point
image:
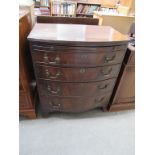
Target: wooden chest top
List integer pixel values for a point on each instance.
(75, 33)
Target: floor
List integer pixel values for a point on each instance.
(90, 133)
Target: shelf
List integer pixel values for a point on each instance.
(68, 3)
(83, 14)
(38, 6)
(88, 3)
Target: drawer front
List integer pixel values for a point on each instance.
(56, 48)
(74, 104)
(77, 74)
(89, 59)
(75, 89)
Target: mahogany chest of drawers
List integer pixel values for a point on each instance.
(76, 66)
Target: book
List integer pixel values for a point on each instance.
(92, 9)
(44, 3)
(44, 11)
(67, 8)
(80, 8)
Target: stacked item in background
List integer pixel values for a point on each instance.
(44, 3)
(56, 7)
(37, 11)
(63, 8)
(109, 11)
(68, 8)
(42, 7)
(87, 9)
(44, 11)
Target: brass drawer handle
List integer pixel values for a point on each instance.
(57, 75)
(106, 74)
(55, 106)
(102, 87)
(82, 70)
(98, 100)
(83, 56)
(56, 61)
(109, 59)
(117, 48)
(52, 91)
(51, 47)
(45, 57)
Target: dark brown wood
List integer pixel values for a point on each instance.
(78, 74)
(75, 89)
(73, 104)
(77, 35)
(76, 59)
(75, 73)
(26, 76)
(67, 20)
(124, 93)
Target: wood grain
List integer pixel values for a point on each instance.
(26, 75)
(71, 63)
(124, 93)
(78, 74)
(75, 33)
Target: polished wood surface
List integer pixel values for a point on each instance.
(75, 33)
(75, 59)
(72, 104)
(75, 89)
(75, 75)
(67, 20)
(124, 93)
(78, 74)
(26, 92)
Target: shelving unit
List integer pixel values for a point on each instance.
(70, 8)
(42, 7)
(61, 8)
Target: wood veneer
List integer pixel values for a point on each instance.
(67, 20)
(123, 97)
(27, 90)
(71, 63)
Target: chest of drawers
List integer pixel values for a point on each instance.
(76, 66)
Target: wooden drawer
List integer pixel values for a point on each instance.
(75, 89)
(77, 74)
(23, 100)
(76, 59)
(74, 104)
(57, 48)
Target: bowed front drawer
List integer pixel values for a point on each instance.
(74, 104)
(75, 89)
(77, 74)
(76, 59)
